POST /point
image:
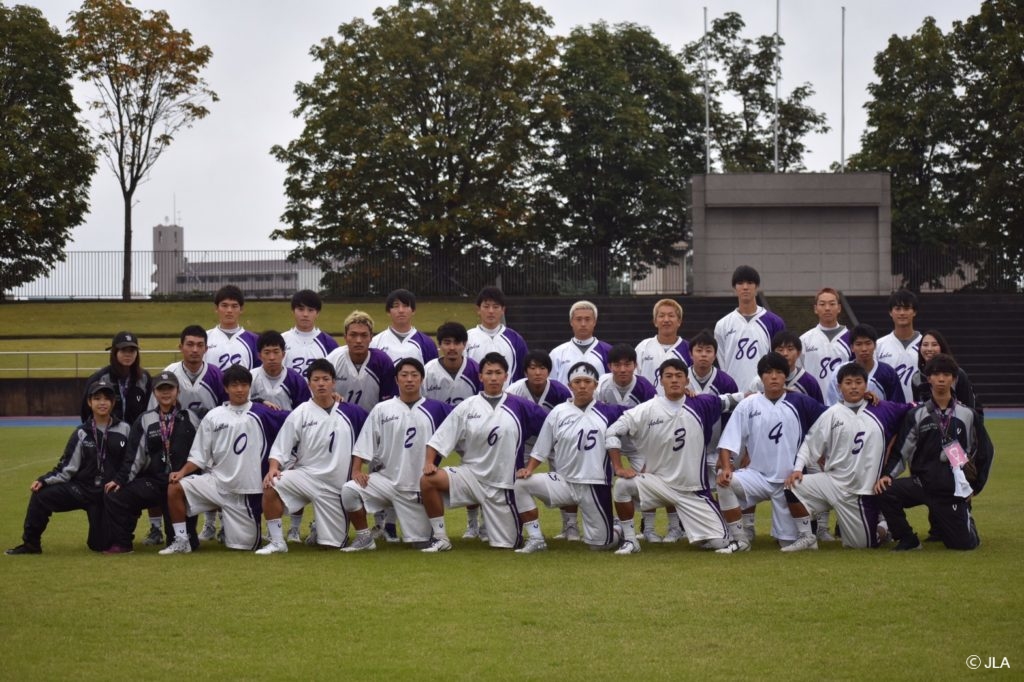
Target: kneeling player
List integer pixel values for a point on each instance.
(573, 437)
(671, 432)
(231, 448)
(492, 427)
(310, 461)
(851, 438)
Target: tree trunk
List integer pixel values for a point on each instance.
(126, 284)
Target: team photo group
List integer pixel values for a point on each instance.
(840, 430)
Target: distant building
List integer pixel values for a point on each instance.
(260, 274)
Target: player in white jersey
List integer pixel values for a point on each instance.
(851, 438)
(770, 427)
(900, 349)
(492, 428)
(492, 336)
(826, 346)
(573, 438)
(392, 444)
(365, 375)
(650, 353)
(453, 376)
(882, 379)
(583, 346)
(276, 386)
(310, 462)
(788, 345)
(672, 432)
(231, 447)
(401, 339)
(229, 343)
(305, 342)
(744, 336)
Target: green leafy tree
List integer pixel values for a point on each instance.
(744, 70)
(422, 134)
(913, 133)
(148, 88)
(46, 162)
(631, 137)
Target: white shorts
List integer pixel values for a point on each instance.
(857, 514)
(751, 487)
(696, 509)
(501, 516)
(595, 503)
(380, 493)
(297, 488)
(241, 513)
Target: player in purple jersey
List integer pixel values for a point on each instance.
(583, 345)
(491, 335)
(305, 342)
(401, 339)
(827, 346)
(650, 353)
(882, 379)
(229, 343)
(788, 345)
(744, 336)
(899, 348)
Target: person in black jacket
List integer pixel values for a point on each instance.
(159, 443)
(95, 451)
(125, 373)
(933, 343)
(935, 437)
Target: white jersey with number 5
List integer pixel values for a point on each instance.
(903, 359)
(741, 343)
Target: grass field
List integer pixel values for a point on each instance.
(669, 613)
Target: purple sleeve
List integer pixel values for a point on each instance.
(725, 383)
(708, 409)
(683, 351)
(531, 416)
(611, 413)
(518, 352)
(272, 421)
(887, 378)
(473, 374)
(811, 387)
(214, 378)
(844, 338)
(807, 408)
(774, 324)
(427, 347)
(385, 370)
(250, 339)
(297, 387)
(355, 416)
(558, 393)
(643, 390)
(891, 415)
(327, 341)
(436, 410)
(603, 348)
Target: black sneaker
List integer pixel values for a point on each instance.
(24, 549)
(933, 538)
(907, 544)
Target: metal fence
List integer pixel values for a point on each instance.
(954, 267)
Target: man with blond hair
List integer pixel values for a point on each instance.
(364, 375)
(583, 346)
(826, 347)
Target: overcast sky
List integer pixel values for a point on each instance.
(228, 190)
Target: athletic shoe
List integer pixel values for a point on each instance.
(629, 547)
(377, 532)
(883, 535)
(311, 538)
(933, 538)
(472, 531)
(362, 543)
(272, 548)
(24, 548)
(734, 547)
(570, 533)
(209, 532)
(907, 544)
(809, 541)
(824, 535)
(651, 536)
(675, 534)
(117, 549)
(391, 533)
(483, 534)
(220, 535)
(179, 546)
(439, 545)
(155, 537)
(293, 535)
(532, 545)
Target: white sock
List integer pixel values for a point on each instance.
(629, 530)
(296, 520)
(533, 529)
(362, 533)
(276, 531)
(736, 528)
(568, 519)
(803, 524)
(180, 531)
(748, 521)
(156, 522)
(650, 519)
(674, 523)
(437, 525)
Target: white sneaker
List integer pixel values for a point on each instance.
(472, 531)
(293, 535)
(675, 534)
(801, 543)
(179, 546)
(209, 532)
(439, 545)
(362, 543)
(629, 547)
(651, 536)
(272, 548)
(570, 532)
(734, 547)
(311, 538)
(532, 545)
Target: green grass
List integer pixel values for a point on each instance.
(670, 613)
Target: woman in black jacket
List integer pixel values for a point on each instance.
(126, 374)
(933, 343)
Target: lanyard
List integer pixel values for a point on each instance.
(943, 419)
(101, 446)
(166, 431)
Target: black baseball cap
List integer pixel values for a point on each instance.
(165, 379)
(102, 384)
(124, 340)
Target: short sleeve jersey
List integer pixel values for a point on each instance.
(574, 439)
(903, 359)
(502, 340)
(438, 384)
(233, 444)
(395, 437)
(302, 348)
(366, 385)
(287, 390)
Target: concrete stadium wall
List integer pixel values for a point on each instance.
(802, 231)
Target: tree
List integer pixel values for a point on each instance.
(421, 135)
(631, 138)
(46, 162)
(912, 133)
(744, 140)
(147, 79)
